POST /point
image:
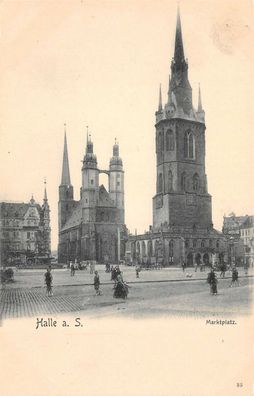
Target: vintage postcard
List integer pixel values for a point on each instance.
(126, 202)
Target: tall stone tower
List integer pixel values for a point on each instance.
(181, 191)
(116, 182)
(65, 203)
(90, 184)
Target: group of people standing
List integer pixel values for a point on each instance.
(121, 288)
(212, 279)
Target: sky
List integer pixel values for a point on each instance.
(100, 63)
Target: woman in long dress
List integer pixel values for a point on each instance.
(121, 289)
(212, 280)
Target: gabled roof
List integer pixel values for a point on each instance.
(249, 222)
(15, 210)
(104, 198)
(75, 218)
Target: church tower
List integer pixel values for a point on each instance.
(90, 183)
(116, 182)
(181, 191)
(65, 203)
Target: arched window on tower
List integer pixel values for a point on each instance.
(160, 141)
(170, 181)
(183, 181)
(196, 182)
(170, 140)
(160, 183)
(189, 145)
(186, 144)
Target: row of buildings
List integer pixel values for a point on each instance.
(93, 227)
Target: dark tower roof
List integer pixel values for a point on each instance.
(179, 86)
(90, 159)
(179, 52)
(66, 179)
(116, 160)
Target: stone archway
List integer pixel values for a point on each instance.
(143, 249)
(198, 258)
(149, 248)
(206, 259)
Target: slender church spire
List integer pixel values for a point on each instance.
(160, 100)
(179, 52)
(179, 84)
(66, 180)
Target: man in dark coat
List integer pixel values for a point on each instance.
(97, 284)
(48, 280)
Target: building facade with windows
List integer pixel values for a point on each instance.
(247, 237)
(182, 227)
(93, 227)
(25, 234)
(232, 224)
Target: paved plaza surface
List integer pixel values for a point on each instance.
(167, 291)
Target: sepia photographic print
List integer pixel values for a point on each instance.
(126, 202)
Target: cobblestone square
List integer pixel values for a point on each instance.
(157, 292)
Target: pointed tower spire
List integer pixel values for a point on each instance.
(179, 84)
(200, 111)
(87, 135)
(179, 52)
(160, 100)
(199, 99)
(45, 199)
(66, 180)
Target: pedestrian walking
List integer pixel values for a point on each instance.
(246, 267)
(138, 269)
(235, 280)
(183, 265)
(97, 284)
(212, 281)
(72, 269)
(48, 280)
(223, 269)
